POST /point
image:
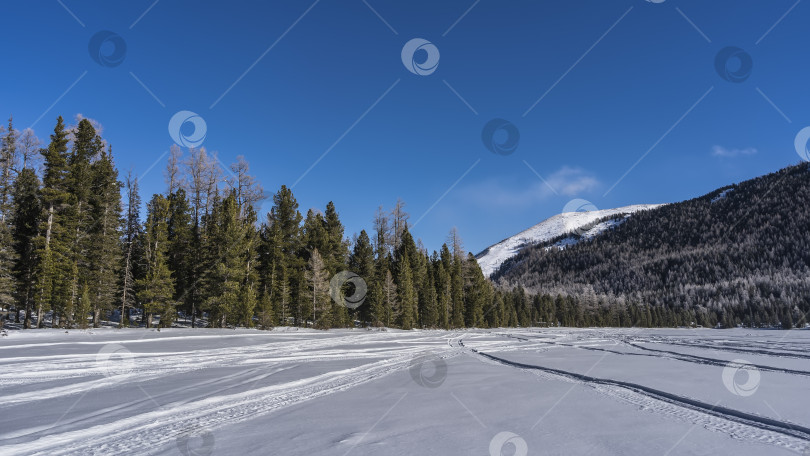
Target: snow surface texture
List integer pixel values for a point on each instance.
(505, 391)
(494, 256)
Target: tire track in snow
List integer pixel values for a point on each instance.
(663, 354)
(711, 361)
(147, 366)
(228, 381)
(139, 433)
(733, 422)
(714, 345)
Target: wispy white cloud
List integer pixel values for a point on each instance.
(572, 181)
(566, 181)
(720, 151)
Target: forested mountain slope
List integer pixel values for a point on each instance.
(742, 250)
(491, 258)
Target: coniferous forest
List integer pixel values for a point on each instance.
(77, 250)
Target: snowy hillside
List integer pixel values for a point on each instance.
(494, 256)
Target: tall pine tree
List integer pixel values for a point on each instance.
(361, 262)
(25, 221)
(131, 251)
(104, 253)
(156, 288)
(54, 268)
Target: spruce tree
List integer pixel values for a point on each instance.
(337, 247)
(390, 298)
(181, 245)
(7, 261)
(279, 251)
(457, 292)
(79, 220)
(444, 294)
(283, 294)
(477, 294)
(25, 217)
(377, 304)
(315, 236)
(265, 312)
(130, 249)
(156, 288)
(251, 284)
(54, 269)
(8, 168)
(83, 307)
(230, 246)
(246, 306)
(407, 294)
(104, 250)
(429, 303)
(8, 158)
(361, 262)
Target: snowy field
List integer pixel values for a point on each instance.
(511, 392)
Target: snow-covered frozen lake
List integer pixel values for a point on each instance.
(357, 392)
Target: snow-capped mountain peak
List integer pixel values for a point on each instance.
(568, 222)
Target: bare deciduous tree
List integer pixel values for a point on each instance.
(248, 190)
(29, 149)
(399, 218)
(454, 240)
(174, 180)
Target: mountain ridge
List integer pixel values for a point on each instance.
(740, 252)
(492, 257)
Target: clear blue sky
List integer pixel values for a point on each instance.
(617, 76)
